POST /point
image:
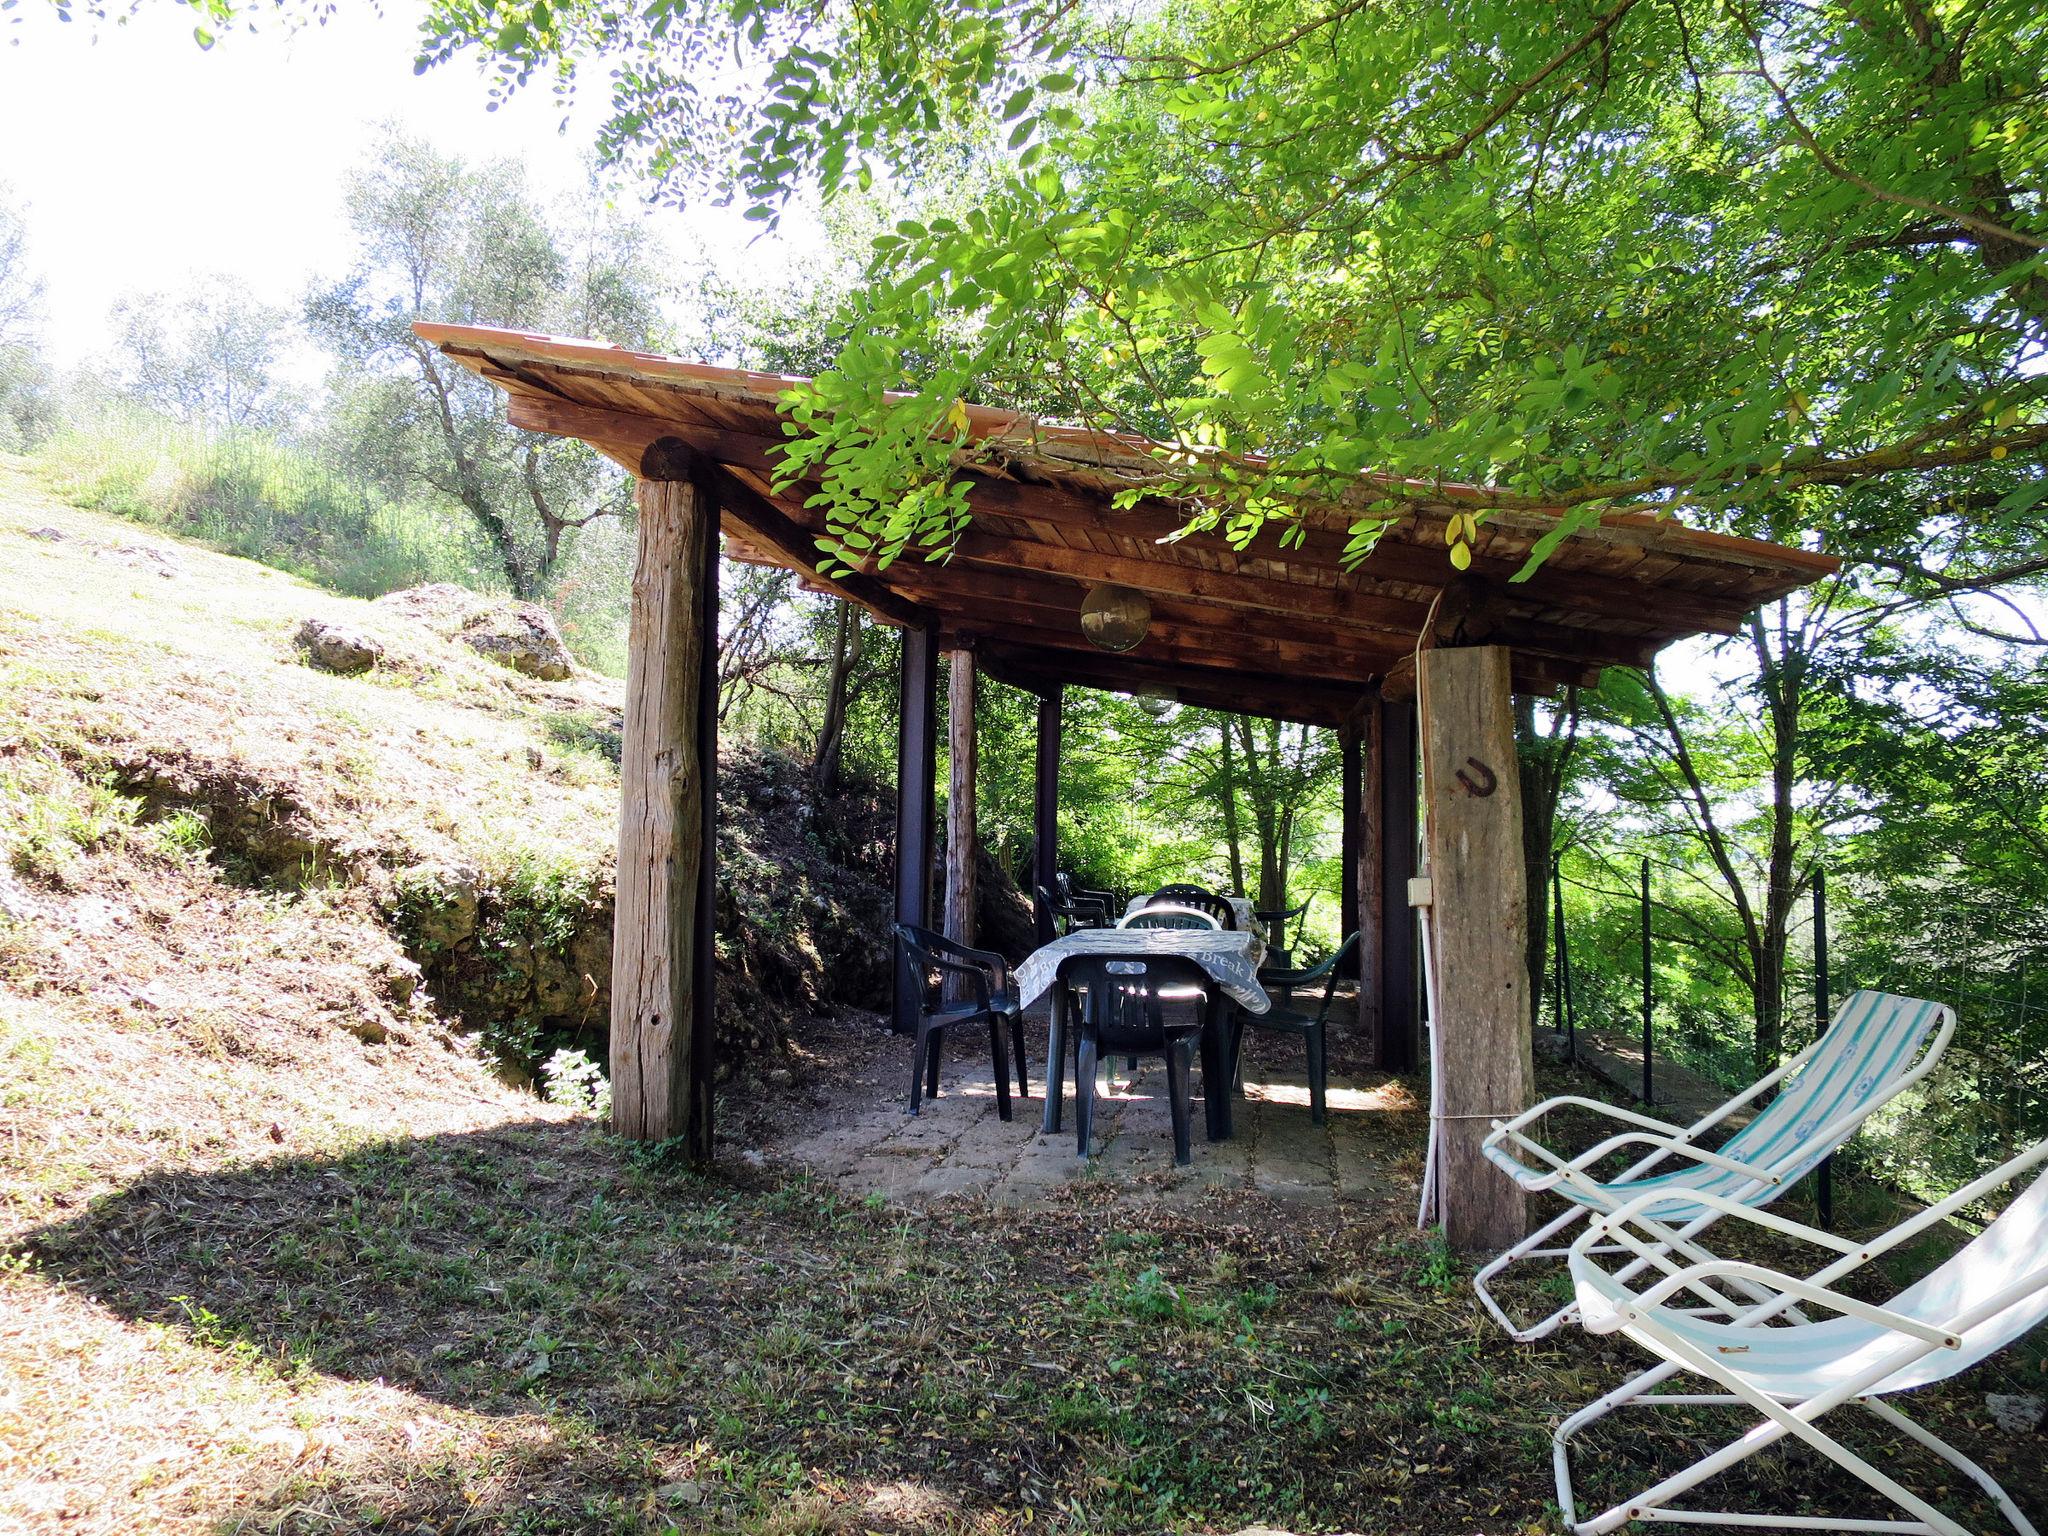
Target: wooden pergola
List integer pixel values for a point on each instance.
(1412, 662)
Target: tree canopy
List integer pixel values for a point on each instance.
(1739, 257)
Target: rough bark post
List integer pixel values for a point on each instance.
(1391, 775)
(916, 802)
(960, 833)
(1368, 856)
(1480, 915)
(664, 994)
(1348, 746)
(1045, 810)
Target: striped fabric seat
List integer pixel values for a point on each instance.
(1803, 1347)
(1878, 1045)
(1849, 1073)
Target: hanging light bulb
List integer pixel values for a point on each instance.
(1115, 618)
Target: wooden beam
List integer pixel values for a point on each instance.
(1167, 644)
(1414, 562)
(663, 988)
(1390, 773)
(1479, 916)
(960, 808)
(1045, 808)
(767, 525)
(916, 803)
(1349, 611)
(1408, 561)
(1237, 692)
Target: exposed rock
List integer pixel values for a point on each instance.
(337, 648)
(367, 1028)
(47, 535)
(2017, 1413)
(518, 635)
(526, 641)
(145, 557)
(436, 907)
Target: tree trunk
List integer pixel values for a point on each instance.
(1544, 761)
(1232, 833)
(846, 649)
(1783, 672)
(1265, 814)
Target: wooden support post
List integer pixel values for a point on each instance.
(1390, 775)
(1479, 912)
(664, 993)
(916, 801)
(1354, 819)
(960, 832)
(1045, 809)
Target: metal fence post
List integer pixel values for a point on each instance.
(1564, 970)
(1824, 1189)
(1647, 1097)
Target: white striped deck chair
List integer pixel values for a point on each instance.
(1878, 1045)
(1771, 1356)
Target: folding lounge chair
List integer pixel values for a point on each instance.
(1877, 1046)
(1794, 1369)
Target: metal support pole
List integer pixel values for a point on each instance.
(1647, 998)
(1564, 972)
(1045, 810)
(1824, 1188)
(916, 804)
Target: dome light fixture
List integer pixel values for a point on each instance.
(1115, 618)
(1156, 702)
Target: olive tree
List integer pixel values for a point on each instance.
(440, 239)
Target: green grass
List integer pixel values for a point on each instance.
(253, 495)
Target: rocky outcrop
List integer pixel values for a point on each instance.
(523, 954)
(803, 921)
(336, 647)
(518, 635)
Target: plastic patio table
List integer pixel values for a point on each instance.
(1231, 960)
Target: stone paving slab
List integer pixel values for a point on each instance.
(957, 1147)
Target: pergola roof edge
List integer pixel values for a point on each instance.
(1046, 528)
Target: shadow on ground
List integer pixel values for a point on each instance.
(622, 1346)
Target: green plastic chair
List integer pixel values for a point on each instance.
(1297, 1021)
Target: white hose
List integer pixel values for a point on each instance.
(1430, 1210)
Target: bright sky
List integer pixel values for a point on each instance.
(144, 159)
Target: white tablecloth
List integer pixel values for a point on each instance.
(1231, 959)
(1239, 905)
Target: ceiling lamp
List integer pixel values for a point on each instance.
(1115, 618)
(1156, 702)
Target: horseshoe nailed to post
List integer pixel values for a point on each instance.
(1481, 787)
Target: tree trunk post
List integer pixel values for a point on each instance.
(1480, 917)
(960, 830)
(1354, 817)
(916, 803)
(1045, 810)
(1391, 772)
(664, 991)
